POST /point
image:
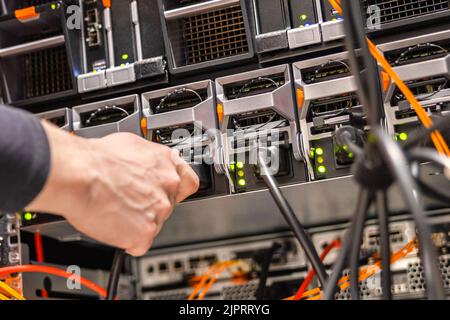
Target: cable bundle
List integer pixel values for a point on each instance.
(380, 164)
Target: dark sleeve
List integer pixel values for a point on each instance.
(24, 158)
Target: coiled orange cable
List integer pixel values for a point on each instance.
(436, 136)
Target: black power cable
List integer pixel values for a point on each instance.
(292, 221)
(387, 154)
(385, 244)
(369, 93)
(439, 124)
(369, 87)
(398, 165)
(364, 201)
(355, 251)
(265, 269)
(116, 268)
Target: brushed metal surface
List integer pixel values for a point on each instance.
(315, 203)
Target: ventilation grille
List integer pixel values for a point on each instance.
(172, 295)
(215, 35)
(243, 292)
(365, 291)
(397, 10)
(416, 277)
(46, 72)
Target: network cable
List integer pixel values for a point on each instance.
(379, 154)
(292, 221)
(113, 281)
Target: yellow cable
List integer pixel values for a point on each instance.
(436, 136)
(2, 297)
(7, 289)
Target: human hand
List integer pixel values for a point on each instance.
(118, 190)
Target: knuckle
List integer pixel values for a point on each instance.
(166, 205)
(173, 180)
(165, 208)
(148, 230)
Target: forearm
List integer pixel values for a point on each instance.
(119, 189)
(68, 176)
(24, 159)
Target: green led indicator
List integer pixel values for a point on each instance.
(232, 167)
(351, 155)
(303, 17)
(124, 56)
(320, 160)
(242, 182)
(319, 151)
(240, 165)
(403, 136)
(321, 169)
(241, 173)
(53, 6)
(27, 216)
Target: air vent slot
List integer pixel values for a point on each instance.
(418, 53)
(106, 114)
(257, 120)
(408, 112)
(423, 89)
(178, 99)
(333, 106)
(177, 135)
(329, 70)
(254, 86)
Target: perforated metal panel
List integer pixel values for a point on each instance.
(215, 35)
(46, 72)
(243, 292)
(396, 10)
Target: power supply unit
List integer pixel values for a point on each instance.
(257, 107)
(422, 62)
(326, 95)
(184, 118)
(98, 119)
